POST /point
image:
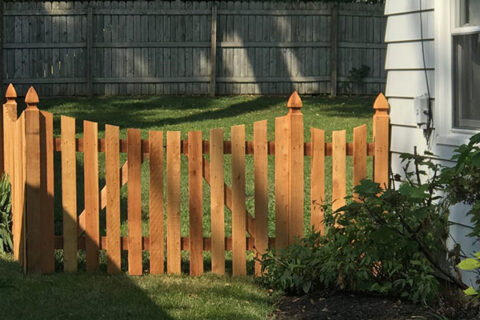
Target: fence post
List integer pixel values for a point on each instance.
(213, 52)
(9, 114)
(9, 144)
(333, 50)
(289, 177)
(89, 55)
(381, 133)
(33, 218)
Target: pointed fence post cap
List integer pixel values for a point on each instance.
(381, 104)
(11, 93)
(31, 99)
(294, 102)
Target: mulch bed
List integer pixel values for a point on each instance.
(340, 305)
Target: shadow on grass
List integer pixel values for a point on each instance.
(156, 112)
(72, 296)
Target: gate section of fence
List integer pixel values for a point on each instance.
(30, 149)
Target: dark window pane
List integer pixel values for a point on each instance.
(466, 81)
(468, 13)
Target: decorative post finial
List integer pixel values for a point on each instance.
(381, 104)
(294, 102)
(11, 94)
(31, 99)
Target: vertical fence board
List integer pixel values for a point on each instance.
(90, 163)
(317, 183)
(281, 182)
(33, 186)
(195, 201)
(173, 202)
(338, 169)
(134, 202)
(381, 136)
(260, 148)
(18, 192)
(359, 155)
(296, 175)
(112, 177)
(238, 201)
(217, 192)
(157, 258)
(47, 197)
(69, 193)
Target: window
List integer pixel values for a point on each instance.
(466, 64)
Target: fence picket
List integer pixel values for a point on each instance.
(47, 195)
(134, 202)
(69, 194)
(338, 169)
(32, 192)
(157, 258)
(173, 202)
(239, 219)
(90, 164)
(112, 177)
(260, 146)
(18, 192)
(359, 155)
(195, 201)
(317, 183)
(281, 182)
(217, 192)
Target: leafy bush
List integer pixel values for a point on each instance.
(464, 187)
(5, 216)
(392, 242)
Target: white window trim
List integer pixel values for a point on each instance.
(446, 134)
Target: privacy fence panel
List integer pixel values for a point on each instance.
(154, 47)
(101, 234)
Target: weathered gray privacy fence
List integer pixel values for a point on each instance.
(191, 47)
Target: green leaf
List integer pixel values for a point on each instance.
(469, 264)
(477, 255)
(470, 291)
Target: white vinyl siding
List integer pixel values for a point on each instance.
(405, 69)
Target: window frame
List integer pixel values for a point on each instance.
(445, 29)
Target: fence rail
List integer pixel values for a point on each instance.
(29, 147)
(165, 47)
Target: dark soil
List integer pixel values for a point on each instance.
(340, 305)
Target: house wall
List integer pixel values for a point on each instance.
(408, 69)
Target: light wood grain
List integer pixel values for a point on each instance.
(112, 175)
(69, 194)
(173, 202)
(157, 248)
(217, 192)
(317, 191)
(195, 201)
(134, 202)
(261, 190)
(239, 247)
(90, 160)
(338, 169)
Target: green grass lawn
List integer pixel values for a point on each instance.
(98, 296)
(203, 113)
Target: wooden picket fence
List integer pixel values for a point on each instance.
(29, 146)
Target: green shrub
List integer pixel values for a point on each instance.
(5, 216)
(392, 242)
(463, 181)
